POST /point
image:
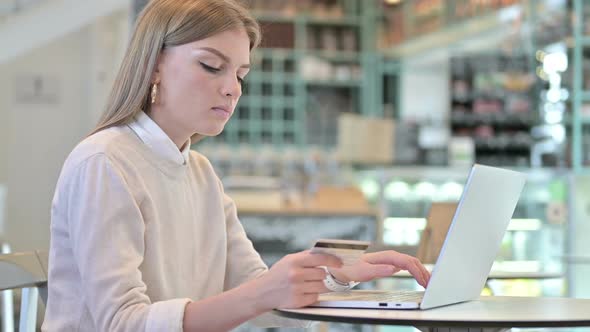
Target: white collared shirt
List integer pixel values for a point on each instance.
(154, 137)
(139, 229)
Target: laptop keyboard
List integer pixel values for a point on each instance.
(397, 296)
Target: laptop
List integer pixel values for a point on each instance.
(470, 247)
(433, 236)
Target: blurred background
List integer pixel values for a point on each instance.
(357, 117)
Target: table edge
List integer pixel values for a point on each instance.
(431, 323)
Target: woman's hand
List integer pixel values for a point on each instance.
(296, 280)
(382, 264)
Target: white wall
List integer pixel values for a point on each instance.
(425, 88)
(3, 124)
(37, 135)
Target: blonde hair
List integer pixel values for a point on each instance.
(162, 24)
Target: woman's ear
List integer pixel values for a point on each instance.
(155, 79)
(156, 74)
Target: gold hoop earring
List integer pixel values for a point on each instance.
(154, 92)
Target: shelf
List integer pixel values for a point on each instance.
(352, 21)
(584, 119)
(509, 121)
(287, 53)
(585, 97)
(500, 95)
(284, 83)
(498, 126)
(272, 17)
(257, 76)
(507, 145)
(476, 28)
(451, 173)
(585, 41)
(247, 100)
(335, 55)
(520, 150)
(334, 83)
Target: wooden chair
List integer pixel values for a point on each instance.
(434, 234)
(26, 271)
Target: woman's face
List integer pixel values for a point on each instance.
(200, 84)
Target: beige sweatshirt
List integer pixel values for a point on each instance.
(138, 229)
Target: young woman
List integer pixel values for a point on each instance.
(143, 237)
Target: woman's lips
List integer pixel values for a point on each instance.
(222, 111)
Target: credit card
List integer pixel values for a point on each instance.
(349, 251)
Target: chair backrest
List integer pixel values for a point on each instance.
(434, 234)
(26, 271)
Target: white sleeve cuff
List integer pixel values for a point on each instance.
(334, 284)
(166, 316)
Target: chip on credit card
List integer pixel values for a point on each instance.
(349, 251)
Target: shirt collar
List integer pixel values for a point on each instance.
(156, 139)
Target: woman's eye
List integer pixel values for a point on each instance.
(240, 80)
(209, 68)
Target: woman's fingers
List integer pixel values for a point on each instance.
(401, 261)
(312, 260)
(314, 287)
(419, 272)
(314, 274)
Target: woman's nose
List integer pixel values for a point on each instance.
(232, 88)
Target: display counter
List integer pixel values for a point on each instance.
(327, 201)
(278, 226)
